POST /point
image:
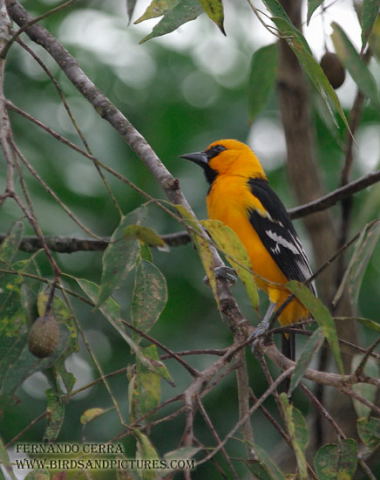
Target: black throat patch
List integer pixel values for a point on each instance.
(211, 153)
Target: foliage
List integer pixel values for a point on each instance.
(137, 315)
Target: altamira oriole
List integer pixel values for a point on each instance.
(240, 196)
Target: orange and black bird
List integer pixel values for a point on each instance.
(240, 196)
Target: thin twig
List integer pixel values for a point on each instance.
(5, 49)
(51, 192)
(216, 436)
(73, 121)
(238, 425)
(26, 429)
(335, 196)
(193, 372)
(360, 368)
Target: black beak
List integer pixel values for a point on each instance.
(200, 158)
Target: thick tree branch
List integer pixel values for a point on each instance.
(332, 379)
(69, 244)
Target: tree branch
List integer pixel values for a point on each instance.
(335, 196)
(70, 245)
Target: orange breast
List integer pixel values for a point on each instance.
(229, 200)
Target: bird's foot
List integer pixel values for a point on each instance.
(225, 273)
(260, 331)
(263, 327)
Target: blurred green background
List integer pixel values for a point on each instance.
(181, 92)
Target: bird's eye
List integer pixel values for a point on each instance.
(214, 151)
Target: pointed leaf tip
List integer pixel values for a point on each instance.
(214, 10)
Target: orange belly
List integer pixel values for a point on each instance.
(228, 201)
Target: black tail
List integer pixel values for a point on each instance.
(289, 345)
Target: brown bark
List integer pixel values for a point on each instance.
(305, 178)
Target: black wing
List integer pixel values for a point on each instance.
(277, 233)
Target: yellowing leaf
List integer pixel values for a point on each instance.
(214, 9)
(90, 414)
(203, 247)
(229, 243)
(55, 417)
(369, 431)
(144, 234)
(374, 38)
(337, 461)
(144, 390)
(157, 8)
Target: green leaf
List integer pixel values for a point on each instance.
(184, 11)
(259, 470)
(55, 416)
(321, 314)
(355, 64)
(369, 13)
(149, 295)
(301, 49)
(214, 10)
(312, 5)
(182, 453)
(262, 78)
(371, 369)
(131, 4)
(145, 451)
(369, 431)
(311, 347)
(298, 432)
(229, 243)
(144, 390)
(369, 323)
(121, 255)
(265, 469)
(203, 247)
(360, 257)
(112, 312)
(5, 461)
(10, 245)
(337, 461)
(157, 8)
